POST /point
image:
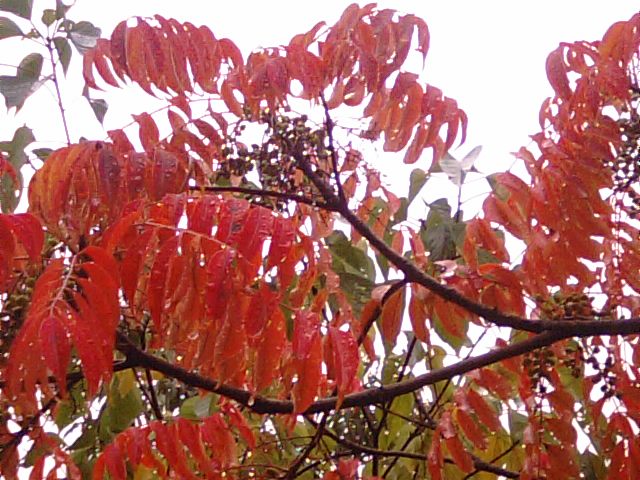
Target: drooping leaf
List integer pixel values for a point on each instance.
(63, 49)
(391, 316)
(84, 36)
(22, 8)
(440, 232)
(307, 351)
(345, 361)
(8, 28)
(98, 105)
(16, 89)
(417, 179)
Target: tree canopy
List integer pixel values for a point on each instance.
(228, 288)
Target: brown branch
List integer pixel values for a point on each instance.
(378, 310)
(263, 193)
(356, 447)
(332, 149)
(295, 466)
(412, 272)
(564, 329)
(495, 459)
(478, 464)
(369, 396)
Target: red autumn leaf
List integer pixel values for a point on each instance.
(458, 453)
(218, 436)
(28, 230)
(470, 428)
(307, 353)
(172, 450)
(271, 344)
(56, 348)
(114, 462)
(157, 280)
(346, 360)
(258, 225)
(239, 422)
(391, 316)
(485, 413)
(435, 458)
(231, 344)
(218, 282)
(557, 73)
(228, 96)
(419, 312)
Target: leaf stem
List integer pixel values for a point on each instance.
(56, 84)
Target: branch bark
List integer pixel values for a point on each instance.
(371, 396)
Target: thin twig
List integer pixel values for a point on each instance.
(262, 193)
(332, 150)
(57, 87)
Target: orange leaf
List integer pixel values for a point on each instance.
(307, 353)
(391, 316)
(557, 73)
(271, 344)
(487, 415)
(460, 456)
(56, 348)
(418, 311)
(218, 436)
(345, 361)
(471, 429)
(227, 94)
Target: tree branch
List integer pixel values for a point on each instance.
(369, 396)
(478, 464)
(262, 193)
(50, 47)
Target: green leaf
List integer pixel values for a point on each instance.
(498, 189)
(401, 213)
(22, 138)
(42, 153)
(17, 157)
(61, 9)
(10, 193)
(470, 158)
(22, 8)
(121, 411)
(517, 424)
(456, 169)
(197, 407)
(417, 179)
(451, 166)
(99, 107)
(63, 48)
(354, 267)
(30, 67)
(84, 36)
(8, 28)
(592, 466)
(64, 413)
(440, 232)
(87, 439)
(453, 341)
(17, 89)
(48, 16)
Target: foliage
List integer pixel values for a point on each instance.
(185, 303)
